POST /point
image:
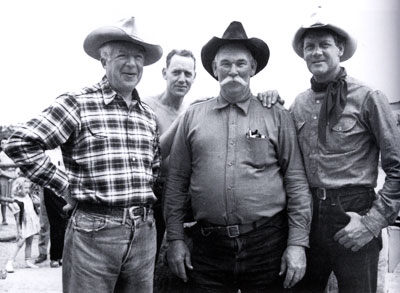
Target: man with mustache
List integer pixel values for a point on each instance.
(343, 126)
(110, 146)
(250, 232)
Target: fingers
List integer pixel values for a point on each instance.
(283, 266)
(188, 262)
(181, 271)
(293, 276)
(340, 234)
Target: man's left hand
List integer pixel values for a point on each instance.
(294, 263)
(355, 235)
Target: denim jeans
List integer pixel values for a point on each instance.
(102, 254)
(356, 272)
(249, 262)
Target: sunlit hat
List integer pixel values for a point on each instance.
(235, 34)
(124, 30)
(315, 23)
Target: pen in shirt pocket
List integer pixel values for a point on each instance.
(254, 134)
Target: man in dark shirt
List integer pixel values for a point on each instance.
(343, 126)
(250, 230)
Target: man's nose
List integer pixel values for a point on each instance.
(317, 50)
(182, 77)
(233, 71)
(131, 61)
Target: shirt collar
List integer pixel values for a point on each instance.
(244, 105)
(109, 94)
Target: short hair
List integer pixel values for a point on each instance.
(339, 39)
(183, 53)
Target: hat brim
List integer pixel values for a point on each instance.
(349, 48)
(258, 48)
(97, 38)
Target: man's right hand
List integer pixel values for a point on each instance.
(270, 98)
(179, 258)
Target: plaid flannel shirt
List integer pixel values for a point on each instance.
(111, 152)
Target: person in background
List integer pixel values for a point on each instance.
(110, 146)
(179, 74)
(55, 219)
(44, 233)
(27, 220)
(343, 128)
(7, 174)
(251, 233)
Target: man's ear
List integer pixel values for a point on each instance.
(214, 68)
(341, 49)
(253, 67)
(164, 73)
(103, 62)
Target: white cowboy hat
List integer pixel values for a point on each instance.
(349, 47)
(124, 30)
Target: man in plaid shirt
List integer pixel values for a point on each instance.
(110, 145)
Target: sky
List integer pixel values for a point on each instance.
(42, 44)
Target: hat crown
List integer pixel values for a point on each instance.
(235, 31)
(129, 26)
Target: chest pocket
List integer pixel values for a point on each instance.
(93, 139)
(257, 150)
(343, 136)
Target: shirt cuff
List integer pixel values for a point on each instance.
(175, 232)
(374, 221)
(298, 237)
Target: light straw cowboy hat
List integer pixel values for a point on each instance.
(315, 23)
(124, 30)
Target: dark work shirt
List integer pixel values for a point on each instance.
(234, 178)
(351, 153)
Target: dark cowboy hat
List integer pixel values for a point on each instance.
(124, 30)
(235, 34)
(315, 23)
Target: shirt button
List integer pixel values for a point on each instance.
(229, 188)
(230, 164)
(318, 101)
(133, 159)
(340, 127)
(232, 142)
(314, 117)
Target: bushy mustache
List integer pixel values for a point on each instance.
(237, 79)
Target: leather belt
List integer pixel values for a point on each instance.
(120, 212)
(323, 193)
(232, 231)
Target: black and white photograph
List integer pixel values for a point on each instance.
(200, 146)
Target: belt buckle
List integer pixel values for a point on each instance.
(132, 215)
(233, 231)
(323, 197)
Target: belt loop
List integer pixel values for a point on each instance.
(124, 216)
(144, 214)
(323, 197)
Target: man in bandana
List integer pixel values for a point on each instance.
(343, 126)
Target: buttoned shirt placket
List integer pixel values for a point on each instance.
(231, 159)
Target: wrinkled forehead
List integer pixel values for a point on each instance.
(233, 51)
(313, 34)
(127, 47)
